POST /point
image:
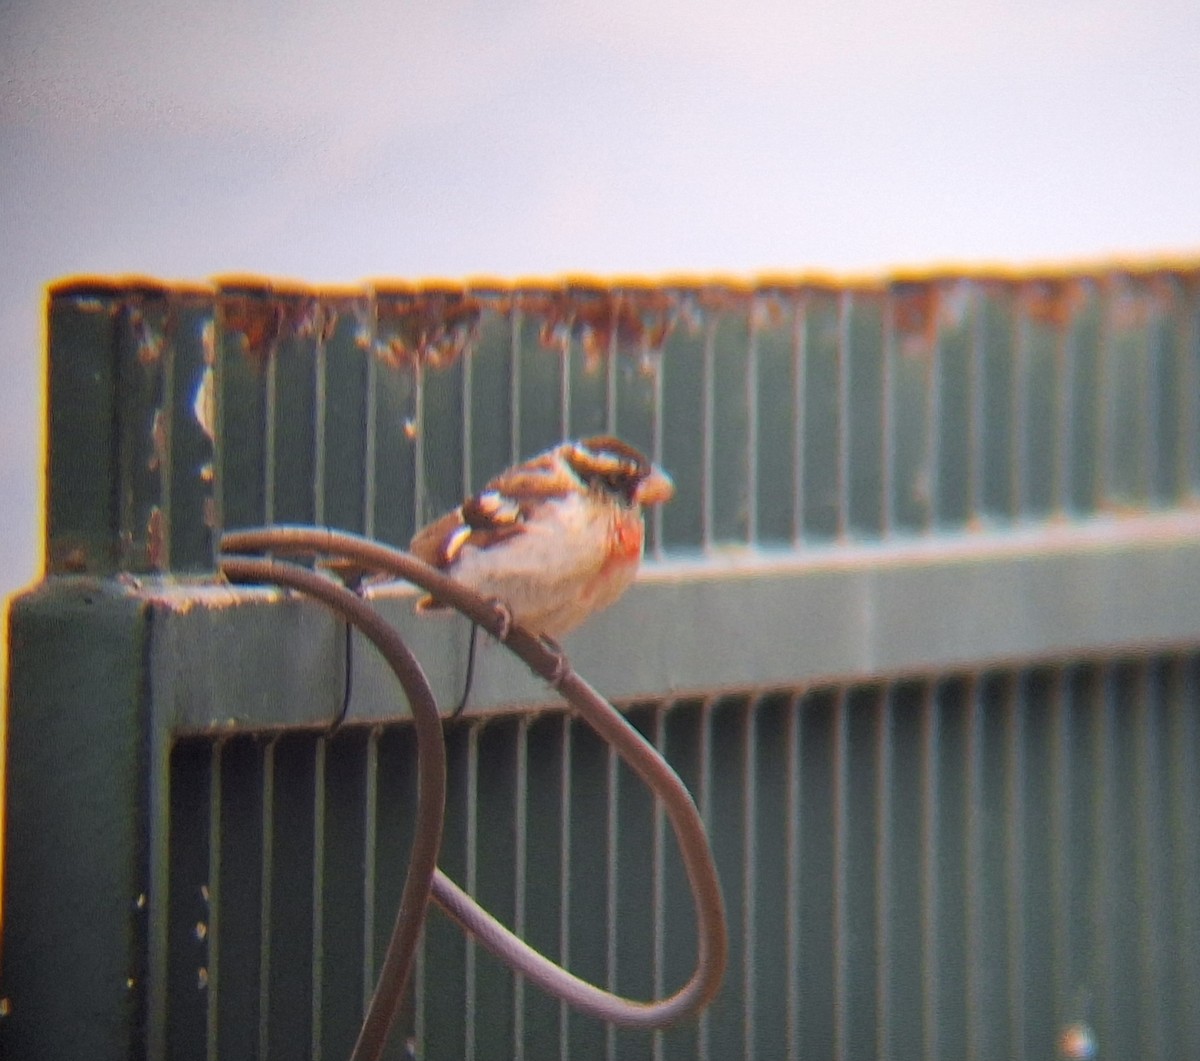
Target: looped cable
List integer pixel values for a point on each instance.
(552, 666)
(431, 781)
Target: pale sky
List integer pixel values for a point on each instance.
(337, 141)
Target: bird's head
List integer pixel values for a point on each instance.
(606, 463)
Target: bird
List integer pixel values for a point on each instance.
(554, 539)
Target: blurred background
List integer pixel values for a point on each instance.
(334, 142)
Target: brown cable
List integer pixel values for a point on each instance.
(431, 781)
(712, 935)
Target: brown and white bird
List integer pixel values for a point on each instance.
(555, 539)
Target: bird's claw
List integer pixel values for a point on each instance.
(504, 617)
(561, 666)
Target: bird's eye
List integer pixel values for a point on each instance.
(605, 468)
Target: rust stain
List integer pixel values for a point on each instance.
(432, 326)
(627, 316)
(601, 319)
(1052, 301)
(915, 314)
(75, 560)
(725, 296)
(265, 314)
(1167, 288)
(156, 551)
(771, 308)
(693, 305)
(256, 318)
(150, 335)
(158, 440)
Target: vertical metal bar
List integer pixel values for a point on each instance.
(514, 396)
(265, 897)
(1151, 414)
(270, 433)
(127, 392)
(470, 985)
(841, 874)
(320, 419)
(1064, 465)
(1103, 786)
(610, 381)
(656, 515)
(752, 424)
(708, 421)
(1104, 382)
(1061, 785)
(84, 480)
(1146, 405)
(166, 457)
(611, 913)
(468, 419)
(933, 449)
(883, 874)
(658, 883)
(1020, 425)
(750, 869)
(704, 804)
(370, 457)
(975, 914)
(979, 403)
(930, 853)
(799, 367)
(1149, 876)
(419, 984)
(219, 445)
(845, 307)
(888, 427)
(1185, 847)
(793, 883)
(521, 875)
(320, 746)
(564, 386)
(370, 832)
(419, 489)
(1189, 392)
(159, 886)
(564, 879)
(212, 971)
(1016, 710)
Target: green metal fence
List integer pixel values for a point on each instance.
(921, 631)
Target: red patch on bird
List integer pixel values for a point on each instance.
(626, 544)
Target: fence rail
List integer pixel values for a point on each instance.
(789, 413)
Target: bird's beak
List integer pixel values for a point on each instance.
(655, 489)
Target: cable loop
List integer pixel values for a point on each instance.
(552, 666)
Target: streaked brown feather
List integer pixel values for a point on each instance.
(429, 542)
(543, 476)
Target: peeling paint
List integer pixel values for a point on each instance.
(158, 441)
(430, 327)
(151, 338)
(1052, 302)
(204, 403)
(915, 317)
(156, 546)
(262, 314)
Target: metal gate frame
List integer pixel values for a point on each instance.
(898, 482)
